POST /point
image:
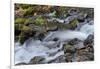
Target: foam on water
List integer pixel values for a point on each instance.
(31, 48)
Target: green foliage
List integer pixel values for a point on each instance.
(29, 11)
(40, 21)
(25, 6)
(28, 21)
(20, 20)
(61, 12)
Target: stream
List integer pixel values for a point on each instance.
(49, 49)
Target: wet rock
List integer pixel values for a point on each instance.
(20, 20)
(55, 39)
(89, 41)
(85, 55)
(73, 11)
(37, 60)
(81, 17)
(68, 57)
(69, 48)
(74, 41)
(53, 28)
(59, 59)
(40, 21)
(40, 36)
(26, 32)
(79, 45)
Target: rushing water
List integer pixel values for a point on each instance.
(31, 48)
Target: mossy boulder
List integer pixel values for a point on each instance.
(73, 23)
(69, 48)
(20, 20)
(61, 12)
(26, 29)
(29, 21)
(25, 6)
(40, 21)
(26, 32)
(29, 11)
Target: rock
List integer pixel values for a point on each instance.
(74, 41)
(26, 32)
(37, 60)
(79, 45)
(20, 20)
(73, 24)
(73, 11)
(55, 39)
(85, 55)
(68, 57)
(29, 21)
(40, 36)
(59, 59)
(81, 17)
(89, 41)
(40, 21)
(69, 48)
(29, 11)
(53, 28)
(19, 12)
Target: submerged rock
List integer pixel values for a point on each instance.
(37, 60)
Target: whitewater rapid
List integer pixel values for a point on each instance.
(31, 48)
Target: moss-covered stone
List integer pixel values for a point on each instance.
(29, 21)
(68, 48)
(26, 32)
(73, 23)
(26, 29)
(20, 20)
(25, 6)
(29, 11)
(40, 21)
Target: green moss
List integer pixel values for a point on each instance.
(26, 29)
(61, 12)
(29, 11)
(20, 20)
(73, 23)
(25, 6)
(28, 21)
(66, 46)
(40, 21)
